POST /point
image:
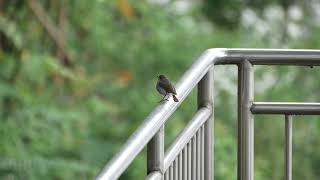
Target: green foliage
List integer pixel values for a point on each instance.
(61, 122)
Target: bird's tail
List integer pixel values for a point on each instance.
(175, 98)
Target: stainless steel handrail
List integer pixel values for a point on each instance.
(285, 108)
(245, 58)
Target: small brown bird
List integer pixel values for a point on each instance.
(165, 87)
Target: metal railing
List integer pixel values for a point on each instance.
(190, 156)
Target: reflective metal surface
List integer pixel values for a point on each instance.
(185, 136)
(201, 151)
(245, 121)
(286, 108)
(205, 99)
(154, 176)
(298, 57)
(288, 148)
(155, 152)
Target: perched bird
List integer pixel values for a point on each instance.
(165, 87)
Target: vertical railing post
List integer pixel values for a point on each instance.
(288, 148)
(245, 121)
(205, 99)
(155, 153)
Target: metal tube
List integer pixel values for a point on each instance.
(288, 148)
(171, 172)
(180, 166)
(194, 157)
(299, 57)
(205, 99)
(245, 121)
(176, 169)
(185, 136)
(154, 176)
(185, 163)
(189, 161)
(202, 153)
(155, 152)
(198, 153)
(285, 108)
(166, 175)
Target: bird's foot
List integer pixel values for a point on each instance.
(164, 99)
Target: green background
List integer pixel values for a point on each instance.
(77, 77)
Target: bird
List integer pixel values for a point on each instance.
(165, 87)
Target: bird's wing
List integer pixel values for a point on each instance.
(168, 86)
(173, 90)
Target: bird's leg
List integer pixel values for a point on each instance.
(163, 98)
(167, 97)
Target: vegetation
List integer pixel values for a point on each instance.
(78, 77)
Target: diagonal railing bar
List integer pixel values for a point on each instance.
(185, 136)
(178, 162)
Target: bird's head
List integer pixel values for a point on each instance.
(161, 77)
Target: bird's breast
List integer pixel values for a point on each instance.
(161, 90)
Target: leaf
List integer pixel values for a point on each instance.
(10, 29)
(126, 9)
(124, 77)
(54, 66)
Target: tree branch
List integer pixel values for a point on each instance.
(54, 32)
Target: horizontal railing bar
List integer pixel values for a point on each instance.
(154, 176)
(285, 108)
(185, 136)
(300, 57)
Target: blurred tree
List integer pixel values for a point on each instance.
(228, 13)
(78, 77)
(223, 13)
